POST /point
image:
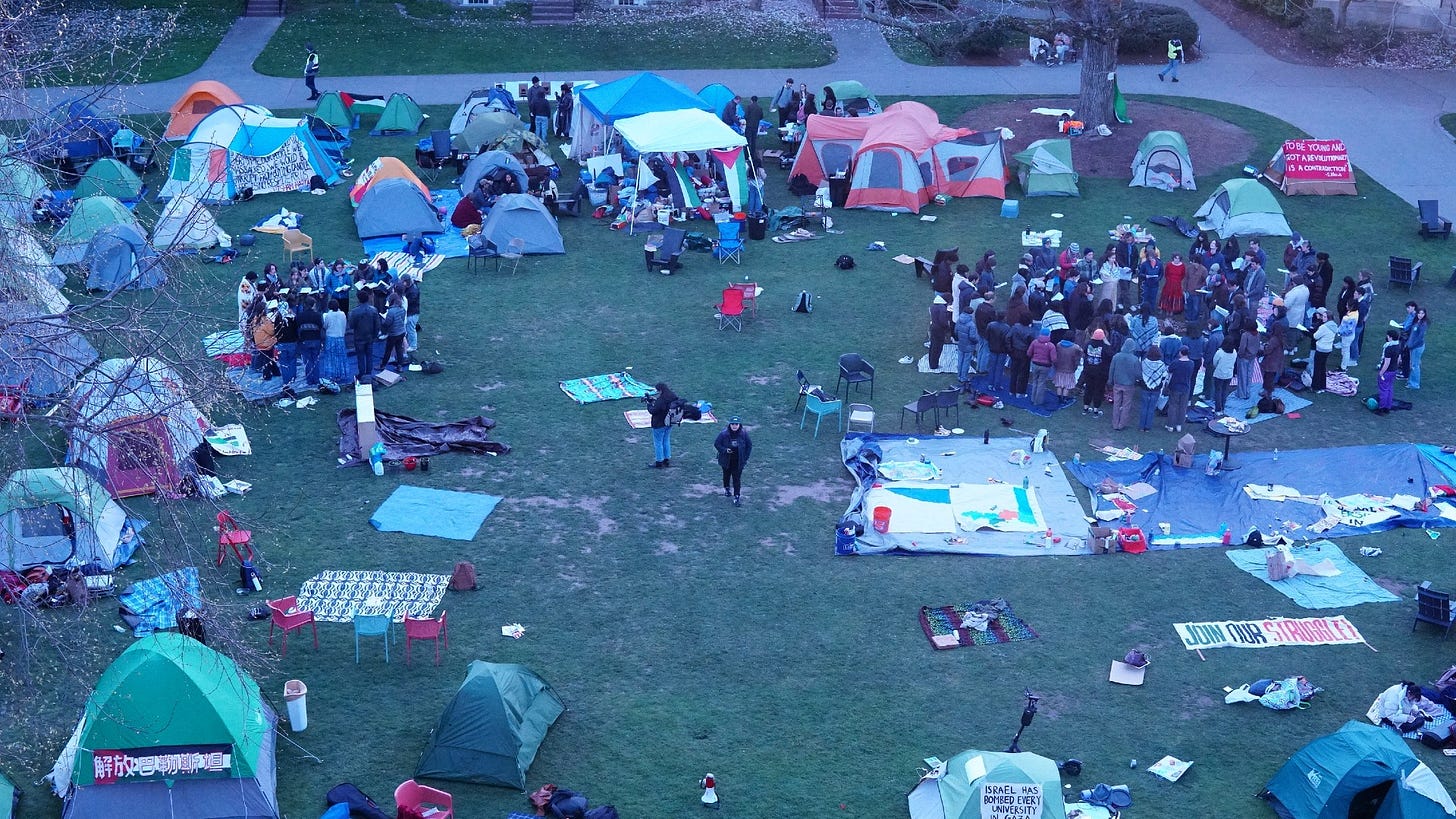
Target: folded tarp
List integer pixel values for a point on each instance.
(1194, 504)
(435, 512)
(404, 436)
(978, 506)
(1350, 587)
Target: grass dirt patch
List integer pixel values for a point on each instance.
(1212, 142)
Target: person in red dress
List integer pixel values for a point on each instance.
(1172, 301)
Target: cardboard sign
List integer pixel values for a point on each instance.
(1317, 159)
(135, 764)
(1276, 631)
(1017, 800)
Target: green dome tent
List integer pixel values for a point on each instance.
(31, 532)
(1046, 168)
(87, 219)
(112, 178)
(491, 730)
(1242, 207)
(402, 115)
(331, 109)
(20, 186)
(852, 95)
(1162, 162)
(1360, 770)
(1032, 781)
(164, 693)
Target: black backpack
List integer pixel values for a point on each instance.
(805, 302)
(675, 412)
(844, 262)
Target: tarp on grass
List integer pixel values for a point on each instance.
(965, 504)
(1337, 582)
(404, 436)
(1196, 506)
(418, 510)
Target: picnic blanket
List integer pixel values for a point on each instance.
(1050, 403)
(642, 419)
(417, 510)
(943, 627)
(1239, 407)
(336, 596)
(1350, 587)
(607, 387)
(152, 604)
(401, 262)
(1440, 716)
(227, 342)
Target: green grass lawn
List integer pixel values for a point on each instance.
(139, 51)
(688, 636)
(907, 48)
(428, 37)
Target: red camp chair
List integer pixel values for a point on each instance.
(229, 534)
(419, 798)
(288, 617)
(12, 401)
(730, 311)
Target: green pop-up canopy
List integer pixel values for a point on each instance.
(491, 730)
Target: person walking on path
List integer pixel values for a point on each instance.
(734, 446)
(658, 404)
(310, 71)
(1175, 59)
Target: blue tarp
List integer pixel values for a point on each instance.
(1351, 587)
(434, 512)
(638, 94)
(1193, 503)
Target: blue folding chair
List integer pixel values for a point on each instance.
(372, 625)
(730, 242)
(821, 408)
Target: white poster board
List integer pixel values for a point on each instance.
(1010, 800)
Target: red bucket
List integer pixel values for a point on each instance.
(882, 519)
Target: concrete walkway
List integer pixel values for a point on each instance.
(1389, 119)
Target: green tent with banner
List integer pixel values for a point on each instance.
(173, 729)
(331, 109)
(1361, 770)
(492, 728)
(976, 784)
(110, 177)
(1046, 168)
(401, 115)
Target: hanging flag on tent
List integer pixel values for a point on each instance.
(684, 193)
(735, 172)
(1119, 103)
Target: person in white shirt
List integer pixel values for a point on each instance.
(1402, 707)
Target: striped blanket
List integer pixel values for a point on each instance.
(336, 596)
(400, 262)
(607, 387)
(642, 419)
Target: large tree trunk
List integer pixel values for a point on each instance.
(1099, 61)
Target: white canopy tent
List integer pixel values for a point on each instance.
(686, 130)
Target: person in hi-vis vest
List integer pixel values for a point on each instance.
(1175, 58)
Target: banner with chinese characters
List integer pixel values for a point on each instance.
(138, 764)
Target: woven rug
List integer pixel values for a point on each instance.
(607, 387)
(336, 596)
(642, 419)
(942, 627)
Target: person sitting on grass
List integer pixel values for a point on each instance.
(1402, 706)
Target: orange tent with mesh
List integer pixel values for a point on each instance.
(200, 99)
(385, 167)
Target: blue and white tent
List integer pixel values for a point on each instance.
(599, 106)
(241, 147)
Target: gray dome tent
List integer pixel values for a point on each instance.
(489, 162)
(394, 207)
(522, 216)
(40, 350)
(118, 257)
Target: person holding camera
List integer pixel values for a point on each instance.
(658, 404)
(734, 446)
(1175, 59)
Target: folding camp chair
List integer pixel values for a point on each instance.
(231, 535)
(730, 309)
(438, 157)
(729, 244)
(750, 295)
(512, 252)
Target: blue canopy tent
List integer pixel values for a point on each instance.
(717, 95)
(74, 130)
(600, 106)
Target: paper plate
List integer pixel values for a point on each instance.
(1058, 215)
(957, 431)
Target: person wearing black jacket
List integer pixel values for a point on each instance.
(410, 292)
(995, 338)
(657, 406)
(364, 324)
(310, 338)
(1018, 344)
(734, 446)
(286, 330)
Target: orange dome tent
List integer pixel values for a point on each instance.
(385, 167)
(199, 100)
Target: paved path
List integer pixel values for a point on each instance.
(1389, 119)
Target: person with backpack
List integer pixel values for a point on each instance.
(658, 405)
(364, 323)
(967, 343)
(733, 446)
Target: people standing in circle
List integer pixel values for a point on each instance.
(1175, 59)
(657, 406)
(734, 446)
(310, 71)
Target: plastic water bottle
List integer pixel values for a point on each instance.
(1025, 483)
(1077, 458)
(1276, 453)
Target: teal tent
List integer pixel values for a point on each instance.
(973, 780)
(9, 797)
(1361, 770)
(491, 730)
(1046, 168)
(401, 115)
